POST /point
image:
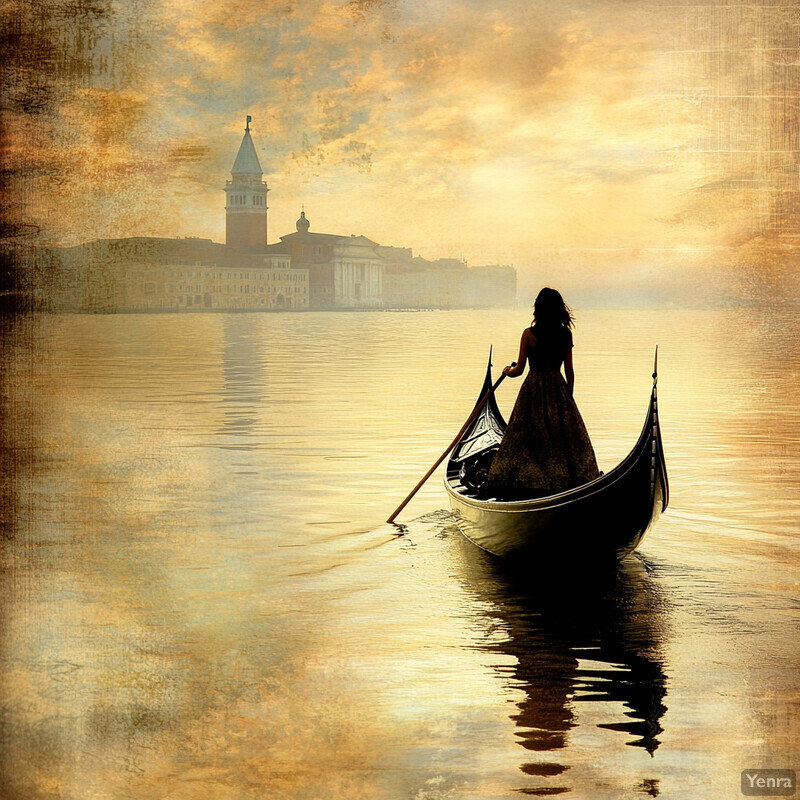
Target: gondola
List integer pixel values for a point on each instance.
(606, 518)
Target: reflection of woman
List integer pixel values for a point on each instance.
(576, 638)
(545, 448)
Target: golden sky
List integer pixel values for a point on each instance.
(607, 146)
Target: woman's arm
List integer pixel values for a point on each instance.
(516, 371)
(569, 372)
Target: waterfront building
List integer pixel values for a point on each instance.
(304, 270)
(150, 274)
(414, 282)
(344, 271)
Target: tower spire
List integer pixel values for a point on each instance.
(246, 205)
(247, 162)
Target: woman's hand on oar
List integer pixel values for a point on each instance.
(455, 441)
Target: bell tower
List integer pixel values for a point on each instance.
(246, 198)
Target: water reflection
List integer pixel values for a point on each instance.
(243, 367)
(575, 640)
(182, 485)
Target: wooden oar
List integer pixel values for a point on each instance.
(470, 420)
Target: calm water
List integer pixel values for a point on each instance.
(202, 600)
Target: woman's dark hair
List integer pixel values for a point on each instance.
(550, 311)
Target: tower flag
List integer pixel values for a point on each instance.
(249, 120)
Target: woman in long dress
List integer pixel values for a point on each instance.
(546, 448)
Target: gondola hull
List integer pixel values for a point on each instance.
(604, 519)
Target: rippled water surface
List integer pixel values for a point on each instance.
(202, 601)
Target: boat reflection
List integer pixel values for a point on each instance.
(575, 639)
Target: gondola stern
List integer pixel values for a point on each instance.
(659, 464)
(655, 367)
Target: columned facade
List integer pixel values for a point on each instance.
(344, 271)
(358, 273)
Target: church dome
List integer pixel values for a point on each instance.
(302, 224)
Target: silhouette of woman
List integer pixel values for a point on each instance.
(546, 448)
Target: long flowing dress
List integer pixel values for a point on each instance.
(546, 448)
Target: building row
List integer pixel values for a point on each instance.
(303, 270)
(151, 274)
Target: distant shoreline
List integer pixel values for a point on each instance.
(182, 311)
